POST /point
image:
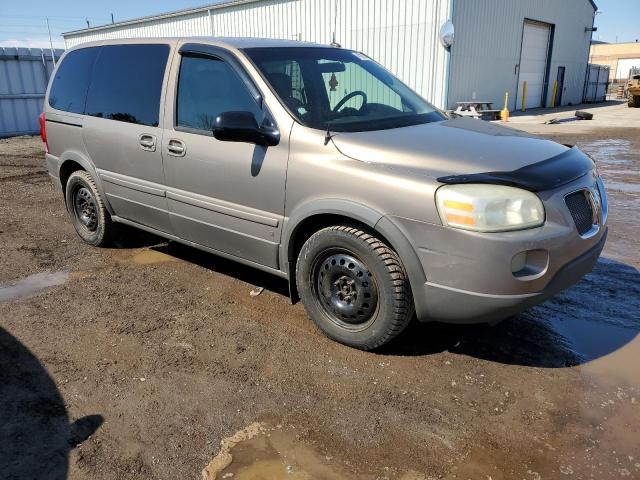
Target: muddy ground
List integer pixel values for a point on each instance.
(135, 362)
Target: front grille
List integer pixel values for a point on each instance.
(581, 210)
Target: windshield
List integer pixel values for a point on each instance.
(340, 89)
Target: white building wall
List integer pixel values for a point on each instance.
(400, 34)
(487, 47)
(195, 24)
(625, 65)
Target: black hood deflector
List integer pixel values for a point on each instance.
(546, 175)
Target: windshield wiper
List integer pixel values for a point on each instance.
(328, 136)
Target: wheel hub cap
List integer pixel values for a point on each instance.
(346, 288)
(86, 209)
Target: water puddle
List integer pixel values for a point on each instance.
(260, 452)
(600, 321)
(32, 284)
(605, 348)
(623, 187)
(608, 151)
(621, 364)
(144, 257)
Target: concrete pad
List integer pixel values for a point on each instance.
(613, 114)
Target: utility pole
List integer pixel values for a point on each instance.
(53, 54)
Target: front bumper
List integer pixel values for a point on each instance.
(468, 277)
(453, 305)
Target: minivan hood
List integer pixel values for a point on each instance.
(451, 147)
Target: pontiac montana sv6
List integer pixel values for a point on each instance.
(316, 164)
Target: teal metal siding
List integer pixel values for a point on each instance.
(24, 75)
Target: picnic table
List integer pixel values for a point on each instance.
(475, 109)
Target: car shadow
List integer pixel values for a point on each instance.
(221, 265)
(594, 318)
(131, 237)
(35, 434)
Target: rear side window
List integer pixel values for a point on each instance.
(69, 88)
(127, 83)
(208, 87)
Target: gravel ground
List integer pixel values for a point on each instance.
(136, 361)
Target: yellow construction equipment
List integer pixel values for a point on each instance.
(633, 89)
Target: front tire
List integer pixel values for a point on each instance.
(87, 210)
(354, 287)
(634, 101)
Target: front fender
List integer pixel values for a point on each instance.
(316, 207)
(358, 212)
(394, 233)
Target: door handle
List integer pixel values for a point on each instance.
(147, 142)
(176, 148)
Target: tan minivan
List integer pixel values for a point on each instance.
(316, 164)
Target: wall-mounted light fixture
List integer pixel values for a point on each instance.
(447, 34)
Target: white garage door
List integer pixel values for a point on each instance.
(625, 65)
(533, 63)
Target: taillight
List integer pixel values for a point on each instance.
(43, 131)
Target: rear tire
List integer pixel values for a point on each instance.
(634, 101)
(87, 210)
(354, 287)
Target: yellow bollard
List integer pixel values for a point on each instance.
(524, 96)
(504, 114)
(555, 92)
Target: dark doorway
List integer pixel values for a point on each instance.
(560, 79)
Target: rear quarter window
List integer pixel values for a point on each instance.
(127, 83)
(71, 82)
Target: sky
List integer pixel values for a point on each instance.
(23, 22)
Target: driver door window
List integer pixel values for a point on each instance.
(207, 87)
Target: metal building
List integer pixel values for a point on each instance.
(497, 45)
(24, 75)
(620, 57)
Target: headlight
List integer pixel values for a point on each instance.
(593, 160)
(488, 208)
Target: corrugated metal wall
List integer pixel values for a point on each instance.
(596, 84)
(487, 47)
(24, 75)
(400, 34)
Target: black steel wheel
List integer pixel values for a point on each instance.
(346, 288)
(87, 210)
(353, 287)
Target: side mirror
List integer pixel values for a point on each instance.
(242, 127)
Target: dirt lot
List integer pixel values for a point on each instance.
(135, 362)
